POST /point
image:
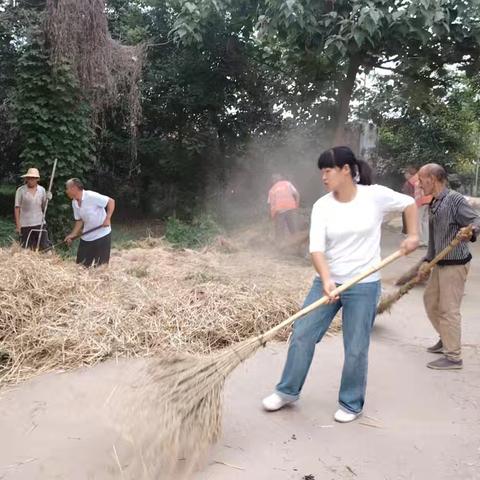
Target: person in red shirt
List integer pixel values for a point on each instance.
(411, 180)
(413, 188)
(284, 200)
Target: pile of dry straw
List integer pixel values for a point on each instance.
(57, 316)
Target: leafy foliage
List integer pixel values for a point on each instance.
(334, 40)
(7, 232)
(418, 126)
(7, 199)
(191, 235)
(228, 84)
(53, 122)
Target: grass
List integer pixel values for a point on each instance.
(124, 235)
(6, 189)
(7, 232)
(191, 235)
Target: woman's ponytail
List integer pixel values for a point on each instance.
(365, 173)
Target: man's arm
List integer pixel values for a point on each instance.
(466, 216)
(110, 210)
(47, 196)
(16, 209)
(411, 220)
(16, 212)
(77, 230)
(296, 196)
(294, 193)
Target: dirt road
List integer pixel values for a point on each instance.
(418, 424)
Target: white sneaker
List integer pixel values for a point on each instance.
(275, 402)
(342, 416)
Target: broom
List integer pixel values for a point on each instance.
(409, 274)
(174, 409)
(388, 301)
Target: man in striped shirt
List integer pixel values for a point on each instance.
(449, 213)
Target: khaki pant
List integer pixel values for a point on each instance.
(442, 298)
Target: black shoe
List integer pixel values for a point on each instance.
(437, 348)
(445, 363)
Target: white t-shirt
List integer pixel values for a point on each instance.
(349, 233)
(31, 206)
(92, 213)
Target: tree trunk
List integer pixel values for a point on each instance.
(344, 96)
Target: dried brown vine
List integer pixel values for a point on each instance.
(108, 72)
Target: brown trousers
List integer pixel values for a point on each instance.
(442, 298)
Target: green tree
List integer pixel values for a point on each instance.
(419, 127)
(53, 121)
(15, 21)
(341, 38)
(201, 105)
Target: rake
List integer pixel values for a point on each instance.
(52, 247)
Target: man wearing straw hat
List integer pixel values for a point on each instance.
(92, 212)
(449, 212)
(30, 201)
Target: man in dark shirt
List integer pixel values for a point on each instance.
(449, 213)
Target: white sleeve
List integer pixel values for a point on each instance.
(390, 200)
(318, 231)
(18, 197)
(98, 199)
(76, 212)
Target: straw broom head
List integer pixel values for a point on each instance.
(409, 274)
(173, 413)
(389, 300)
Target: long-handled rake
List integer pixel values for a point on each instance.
(52, 247)
(44, 213)
(174, 410)
(388, 301)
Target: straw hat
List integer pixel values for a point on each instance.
(32, 173)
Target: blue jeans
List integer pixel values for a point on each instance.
(359, 307)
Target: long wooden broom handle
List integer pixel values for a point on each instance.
(455, 242)
(345, 286)
(386, 303)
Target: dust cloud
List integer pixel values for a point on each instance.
(243, 198)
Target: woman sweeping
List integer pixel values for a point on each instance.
(345, 236)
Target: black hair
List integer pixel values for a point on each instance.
(341, 156)
(77, 182)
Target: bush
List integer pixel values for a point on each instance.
(191, 235)
(54, 121)
(7, 232)
(7, 200)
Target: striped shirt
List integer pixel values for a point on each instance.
(448, 213)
